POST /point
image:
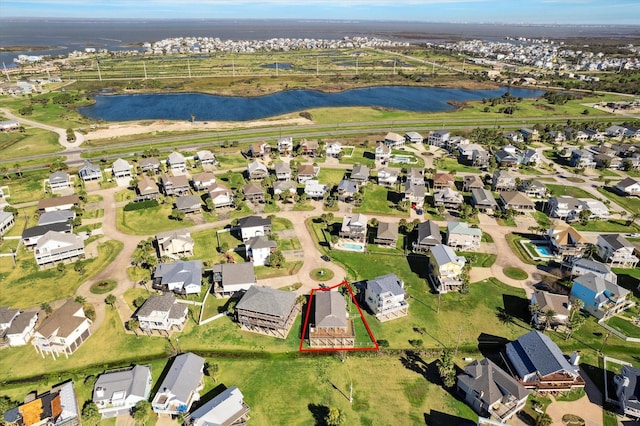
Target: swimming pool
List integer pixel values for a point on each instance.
(543, 250)
(353, 246)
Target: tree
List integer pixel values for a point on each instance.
(224, 247)
(334, 417)
(61, 267)
(575, 323)
(543, 419)
(80, 299)
(549, 315)
(534, 309)
(46, 308)
(18, 169)
(177, 215)
(79, 267)
(139, 301)
(90, 414)
(276, 259)
(209, 204)
(446, 368)
(211, 370)
(110, 300)
(584, 216)
(142, 412)
(133, 325)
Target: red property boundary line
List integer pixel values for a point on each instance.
(353, 299)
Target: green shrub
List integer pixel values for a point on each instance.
(147, 204)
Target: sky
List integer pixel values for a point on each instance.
(479, 11)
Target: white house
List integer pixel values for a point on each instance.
(121, 169)
(385, 297)
(117, 392)
(226, 408)
(382, 153)
(258, 249)
(221, 195)
(254, 226)
(183, 277)
(314, 189)
(206, 157)
(333, 149)
(63, 331)
(394, 140)
(89, 172)
(181, 385)
(17, 326)
(54, 247)
(438, 138)
(387, 176)
(413, 137)
(628, 186)
(162, 313)
(616, 250)
(59, 180)
(229, 278)
(176, 162)
(6, 222)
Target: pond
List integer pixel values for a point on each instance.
(180, 106)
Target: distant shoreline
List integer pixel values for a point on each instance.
(18, 48)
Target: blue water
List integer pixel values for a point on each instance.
(180, 106)
(352, 246)
(543, 250)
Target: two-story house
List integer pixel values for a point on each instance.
(483, 200)
(121, 169)
(354, 227)
(387, 177)
(253, 193)
(628, 186)
(175, 244)
(461, 237)
(259, 150)
(428, 236)
(386, 234)
(515, 200)
(55, 247)
(566, 241)
(360, 174)
(413, 137)
(394, 140)
(117, 392)
(221, 195)
(581, 158)
(188, 204)
(616, 250)
(331, 326)
(146, 189)
(226, 408)
(55, 407)
(627, 389)
(230, 278)
(16, 326)
(285, 145)
(471, 182)
(438, 138)
(503, 181)
(445, 268)
(253, 226)
(66, 202)
(601, 297)
(307, 172)
(89, 172)
(385, 297)
(7, 221)
(382, 153)
(181, 385)
(257, 171)
(175, 185)
(533, 188)
(309, 148)
(184, 277)
(282, 171)
(267, 311)
(177, 163)
(258, 250)
(314, 189)
(546, 302)
(63, 331)
(150, 165)
(414, 194)
(448, 198)
(202, 181)
(347, 189)
(333, 149)
(162, 313)
(206, 158)
(59, 180)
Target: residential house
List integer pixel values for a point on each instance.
(188, 204)
(558, 304)
(333, 149)
(382, 153)
(55, 247)
(438, 138)
(608, 161)
(257, 171)
(506, 159)
(615, 132)
(31, 236)
(286, 187)
(387, 177)
(309, 148)
(594, 135)
(530, 157)
(557, 137)
(517, 201)
(385, 297)
(503, 181)
(448, 198)
(254, 226)
(285, 145)
(472, 181)
(226, 408)
(258, 250)
(175, 185)
(202, 181)
(454, 142)
(597, 208)
(601, 297)
(491, 391)
(564, 207)
(206, 157)
(184, 277)
(616, 250)
(7, 315)
(253, 193)
(314, 189)
(347, 189)
(6, 222)
(566, 241)
(394, 140)
(514, 137)
(147, 189)
(628, 186)
(530, 135)
(229, 278)
(9, 125)
(176, 162)
(386, 234)
(624, 149)
(58, 406)
(180, 387)
(538, 363)
(175, 244)
(59, 180)
(259, 150)
(467, 151)
(117, 392)
(480, 158)
(445, 268)
(121, 169)
(331, 327)
(414, 194)
(150, 165)
(354, 227)
(17, 327)
(443, 180)
(533, 188)
(282, 170)
(162, 313)
(221, 195)
(66, 202)
(63, 331)
(627, 388)
(582, 266)
(483, 200)
(89, 172)
(428, 236)
(413, 137)
(360, 174)
(307, 172)
(415, 176)
(267, 311)
(461, 237)
(581, 158)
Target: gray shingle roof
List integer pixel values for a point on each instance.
(187, 202)
(331, 310)
(389, 283)
(265, 300)
(483, 197)
(598, 284)
(347, 186)
(536, 352)
(629, 395)
(252, 189)
(387, 230)
(43, 229)
(251, 221)
(444, 254)
(236, 273)
(184, 375)
(7, 314)
(21, 322)
(187, 273)
(162, 303)
(57, 216)
(429, 233)
(491, 382)
(132, 381)
(360, 171)
(616, 241)
(259, 242)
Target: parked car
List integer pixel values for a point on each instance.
(325, 258)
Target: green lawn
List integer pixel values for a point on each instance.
(330, 177)
(452, 165)
(541, 218)
(28, 188)
(481, 260)
(289, 268)
(231, 161)
(148, 221)
(518, 250)
(364, 156)
(624, 326)
(32, 142)
(27, 286)
(206, 245)
(613, 225)
(572, 191)
(515, 273)
(280, 224)
(631, 204)
(379, 200)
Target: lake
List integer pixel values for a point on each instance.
(180, 106)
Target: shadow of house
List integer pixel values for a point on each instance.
(394, 197)
(418, 264)
(491, 347)
(438, 418)
(517, 307)
(369, 155)
(209, 395)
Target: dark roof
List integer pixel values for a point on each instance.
(629, 395)
(429, 233)
(536, 352)
(268, 301)
(162, 303)
(236, 273)
(21, 322)
(43, 229)
(347, 186)
(7, 314)
(331, 310)
(491, 382)
(251, 221)
(616, 241)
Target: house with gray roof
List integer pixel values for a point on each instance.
(7, 315)
(534, 188)
(538, 363)
(257, 171)
(267, 311)
(428, 236)
(116, 392)
(31, 236)
(628, 186)
(176, 162)
(385, 297)
(503, 181)
(202, 181)
(414, 193)
(20, 329)
(7, 220)
(354, 227)
(386, 234)
(462, 237)
(175, 244)
(254, 226)
(55, 247)
(448, 198)
(616, 250)
(229, 278)
(413, 137)
(253, 193)
(149, 165)
(530, 157)
(471, 182)
(582, 266)
(89, 172)
(121, 169)
(559, 304)
(314, 189)
(601, 297)
(483, 200)
(445, 268)
(59, 180)
(387, 176)
(627, 388)
(282, 171)
(188, 204)
(347, 190)
(184, 277)
(226, 408)
(491, 391)
(258, 249)
(360, 174)
(181, 385)
(415, 175)
(205, 157)
(582, 158)
(331, 327)
(63, 331)
(162, 313)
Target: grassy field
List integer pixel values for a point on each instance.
(27, 286)
(624, 326)
(571, 191)
(364, 156)
(379, 200)
(27, 188)
(452, 165)
(32, 142)
(631, 204)
(613, 225)
(148, 221)
(515, 273)
(481, 260)
(330, 177)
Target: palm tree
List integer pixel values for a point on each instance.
(133, 325)
(576, 306)
(81, 300)
(534, 309)
(110, 300)
(549, 314)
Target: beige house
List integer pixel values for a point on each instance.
(175, 244)
(460, 236)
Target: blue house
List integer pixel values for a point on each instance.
(601, 297)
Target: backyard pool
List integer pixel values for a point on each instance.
(353, 246)
(404, 159)
(543, 250)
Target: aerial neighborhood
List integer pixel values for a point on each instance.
(407, 273)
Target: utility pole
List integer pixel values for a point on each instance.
(605, 341)
(99, 73)
(356, 65)
(276, 67)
